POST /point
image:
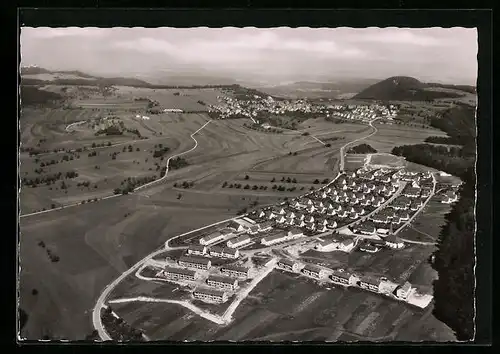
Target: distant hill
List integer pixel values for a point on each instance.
(32, 96)
(35, 76)
(404, 88)
(308, 89)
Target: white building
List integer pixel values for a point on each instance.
(239, 241)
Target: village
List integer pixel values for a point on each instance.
(361, 210)
(229, 107)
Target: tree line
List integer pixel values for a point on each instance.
(454, 258)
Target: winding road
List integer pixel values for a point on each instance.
(136, 189)
(100, 303)
(342, 154)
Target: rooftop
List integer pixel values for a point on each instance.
(196, 260)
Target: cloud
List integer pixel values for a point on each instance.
(290, 52)
(48, 32)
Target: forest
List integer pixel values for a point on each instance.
(454, 258)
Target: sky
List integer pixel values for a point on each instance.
(272, 56)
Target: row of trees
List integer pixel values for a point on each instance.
(161, 151)
(452, 160)
(131, 183)
(185, 185)
(111, 130)
(362, 149)
(443, 140)
(454, 258)
(47, 179)
(118, 329)
(178, 163)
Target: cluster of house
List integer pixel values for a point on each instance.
(292, 234)
(352, 196)
(218, 285)
(400, 208)
(364, 113)
(341, 277)
(230, 106)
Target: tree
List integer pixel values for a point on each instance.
(295, 153)
(246, 177)
(255, 187)
(275, 186)
(179, 196)
(273, 180)
(282, 179)
(325, 181)
(288, 180)
(316, 181)
(34, 292)
(246, 187)
(224, 184)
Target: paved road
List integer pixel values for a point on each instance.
(342, 154)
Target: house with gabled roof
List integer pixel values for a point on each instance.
(310, 226)
(195, 262)
(273, 239)
(343, 278)
(310, 209)
(300, 223)
(321, 228)
(212, 238)
(353, 216)
(289, 265)
(346, 245)
(235, 226)
(309, 219)
(239, 241)
(403, 291)
(280, 219)
(295, 233)
(198, 250)
(394, 242)
(370, 284)
(254, 229)
(266, 226)
(332, 224)
(314, 271)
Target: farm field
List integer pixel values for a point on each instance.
(187, 99)
(310, 312)
(95, 243)
(427, 226)
(354, 161)
(389, 136)
(387, 160)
